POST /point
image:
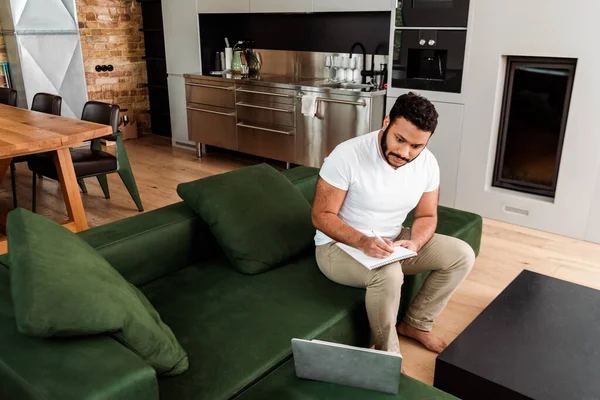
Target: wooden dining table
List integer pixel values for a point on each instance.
(24, 132)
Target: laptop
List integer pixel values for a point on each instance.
(347, 365)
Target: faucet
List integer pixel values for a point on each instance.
(364, 59)
(379, 46)
(372, 73)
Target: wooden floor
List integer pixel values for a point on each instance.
(506, 249)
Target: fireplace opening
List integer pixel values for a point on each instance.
(537, 94)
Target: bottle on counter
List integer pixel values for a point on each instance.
(218, 62)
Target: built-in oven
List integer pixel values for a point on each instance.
(429, 59)
(432, 13)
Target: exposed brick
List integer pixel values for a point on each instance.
(112, 36)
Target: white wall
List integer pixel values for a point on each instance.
(551, 28)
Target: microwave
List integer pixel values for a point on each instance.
(432, 13)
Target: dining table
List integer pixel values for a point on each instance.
(24, 132)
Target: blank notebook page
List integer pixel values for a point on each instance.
(400, 253)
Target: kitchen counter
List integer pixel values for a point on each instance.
(263, 115)
(294, 83)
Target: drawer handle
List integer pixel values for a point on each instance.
(350, 103)
(212, 112)
(211, 86)
(289, 96)
(241, 124)
(264, 108)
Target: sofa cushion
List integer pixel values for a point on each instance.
(257, 215)
(61, 286)
(237, 327)
(283, 384)
(305, 179)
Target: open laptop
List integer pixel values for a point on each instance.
(347, 365)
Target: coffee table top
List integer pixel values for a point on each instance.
(539, 338)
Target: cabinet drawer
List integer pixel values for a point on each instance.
(265, 95)
(280, 114)
(213, 126)
(219, 94)
(276, 142)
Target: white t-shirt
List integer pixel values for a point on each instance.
(379, 197)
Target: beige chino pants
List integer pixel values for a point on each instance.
(449, 259)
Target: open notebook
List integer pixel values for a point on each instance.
(400, 253)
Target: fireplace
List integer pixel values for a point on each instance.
(537, 93)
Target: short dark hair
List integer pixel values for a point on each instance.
(417, 110)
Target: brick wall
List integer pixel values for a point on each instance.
(110, 35)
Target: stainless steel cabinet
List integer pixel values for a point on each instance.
(338, 118)
(211, 112)
(266, 121)
(274, 142)
(212, 93)
(211, 125)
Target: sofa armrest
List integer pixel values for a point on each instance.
(87, 368)
(96, 367)
(148, 246)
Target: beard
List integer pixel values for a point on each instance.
(388, 154)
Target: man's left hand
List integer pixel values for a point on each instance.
(409, 244)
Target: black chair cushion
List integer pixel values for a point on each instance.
(8, 96)
(85, 161)
(47, 103)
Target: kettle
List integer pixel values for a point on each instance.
(236, 62)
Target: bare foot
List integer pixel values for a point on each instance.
(427, 339)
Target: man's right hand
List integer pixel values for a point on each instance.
(375, 247)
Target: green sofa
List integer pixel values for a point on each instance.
(236, 328)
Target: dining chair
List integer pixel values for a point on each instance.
(42, 102)
(92, 161)
(8, 96)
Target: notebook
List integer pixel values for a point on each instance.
(347, 365)
(400, 253)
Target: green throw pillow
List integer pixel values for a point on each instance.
(61, 286)
(257, 215)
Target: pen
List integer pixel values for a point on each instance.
(378, 237)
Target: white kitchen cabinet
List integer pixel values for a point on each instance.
(222, 6)
(182, 43)
(272, 6)
(353, 5)
(445, 145)
(177, 105)
(182, 50)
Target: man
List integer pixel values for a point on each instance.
(368, 185)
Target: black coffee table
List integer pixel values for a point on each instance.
(539, 339)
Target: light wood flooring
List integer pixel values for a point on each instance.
(506, 249)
